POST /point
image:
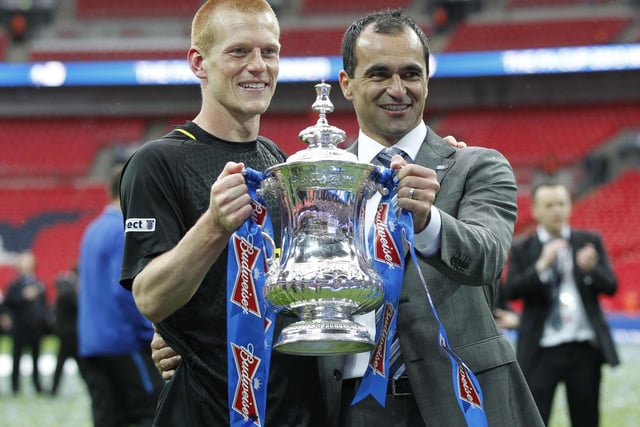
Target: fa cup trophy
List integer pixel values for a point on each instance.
(323, 275)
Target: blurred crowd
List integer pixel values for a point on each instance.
(97, 325)
(26, 318)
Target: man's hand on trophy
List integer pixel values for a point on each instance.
(165, 359)
(417, 191)
(230, 203)
(418, 187)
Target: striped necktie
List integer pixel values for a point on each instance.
(385, 155)
(556, 280)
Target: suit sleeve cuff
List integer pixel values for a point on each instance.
(427, 242)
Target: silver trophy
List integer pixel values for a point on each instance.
(323, 275)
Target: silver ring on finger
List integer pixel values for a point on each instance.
(411, 191)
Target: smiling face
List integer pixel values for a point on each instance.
(240, 66)
(389, 84)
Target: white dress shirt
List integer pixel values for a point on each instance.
(575, 324)
(427, 242)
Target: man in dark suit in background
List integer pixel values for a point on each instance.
(559, 272)
(65, 324)
(27, 305)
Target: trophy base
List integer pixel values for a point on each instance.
(323, 337)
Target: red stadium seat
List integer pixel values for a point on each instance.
(102, 54)
(474, 36)
(60, 147)
(515, 4)
(627, 298)
(311, 41)
(137, 8)
(617, 219)
(522, 134)
(327, 7)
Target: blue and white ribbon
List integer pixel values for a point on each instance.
(250, 321)
(385, 243)
(398, 228)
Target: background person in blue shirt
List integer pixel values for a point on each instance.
(113, 337)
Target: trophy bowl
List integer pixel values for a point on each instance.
(323, 275)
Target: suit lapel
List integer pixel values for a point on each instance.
(435, 153)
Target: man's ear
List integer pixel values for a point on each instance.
(196, 62)
(345, 83)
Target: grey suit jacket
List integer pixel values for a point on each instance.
(477, 202)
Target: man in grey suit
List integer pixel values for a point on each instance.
(464, 210)
(559, 272)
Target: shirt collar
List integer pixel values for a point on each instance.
(368, 148)
(545, 237)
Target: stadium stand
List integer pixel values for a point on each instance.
(304, 41)
(474, 36)
(611, 210)
(101, 50)
(49, 219)
(333, 7)
(611, 216)
(514, 4)
(536, 136)
(87, 9)
(60, 147)
(54, 156)
(628, 297)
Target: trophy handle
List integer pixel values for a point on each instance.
(269, 241)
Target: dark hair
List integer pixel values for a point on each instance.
(548, 182)
(387, 21)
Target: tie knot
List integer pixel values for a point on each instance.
(384, 156)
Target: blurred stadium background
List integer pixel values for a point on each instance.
(582, 123)
(57, 141)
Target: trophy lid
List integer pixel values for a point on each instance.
(322, 138)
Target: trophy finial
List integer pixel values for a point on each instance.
(323, 104)
(322, 133)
